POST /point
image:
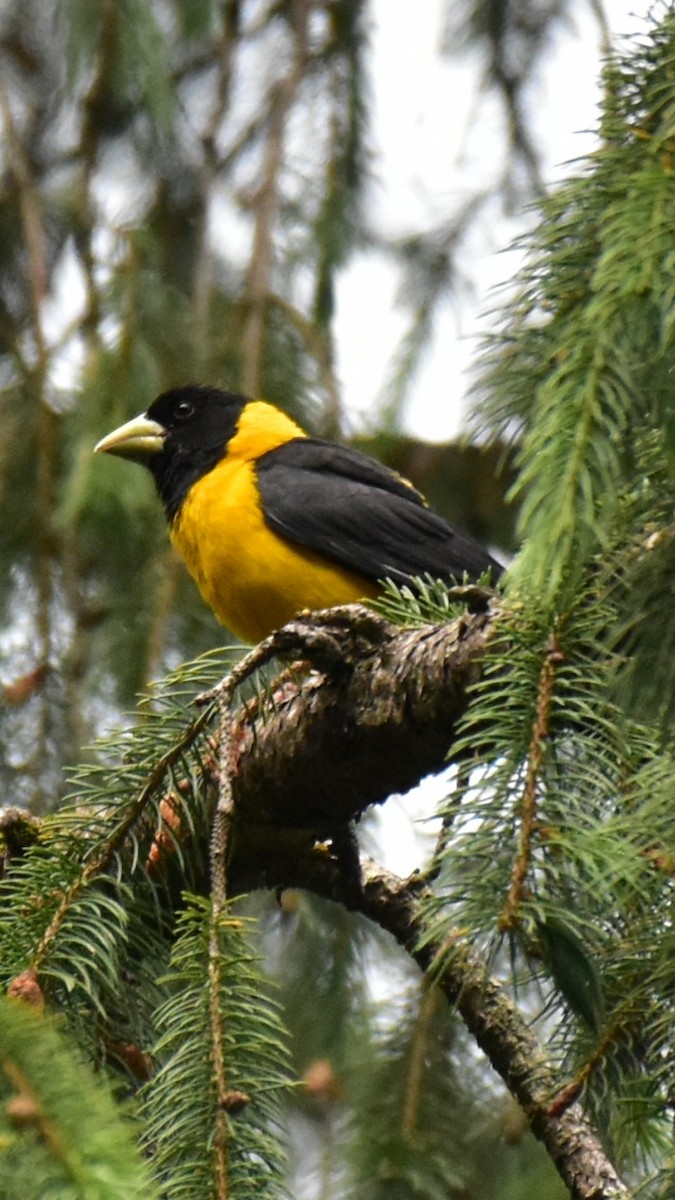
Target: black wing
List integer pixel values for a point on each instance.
(358, 513)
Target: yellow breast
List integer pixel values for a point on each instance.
(253, 579)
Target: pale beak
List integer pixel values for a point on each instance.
(139, 438)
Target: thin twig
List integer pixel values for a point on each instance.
(281, 98)
(100, 861)
(419, 1050)
(528, 808)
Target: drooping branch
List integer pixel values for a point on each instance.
(503, 1035)
(499, 1029)
(267, 203)
(377, 713)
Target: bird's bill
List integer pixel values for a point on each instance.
(139, 438)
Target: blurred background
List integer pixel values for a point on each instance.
(310, 200)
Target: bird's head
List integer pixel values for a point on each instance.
(182, 435)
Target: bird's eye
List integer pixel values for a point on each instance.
(184, 410)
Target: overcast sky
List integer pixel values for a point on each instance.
(430, 148)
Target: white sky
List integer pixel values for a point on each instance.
(430, 150)
(424, 162)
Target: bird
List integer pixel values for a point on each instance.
(271, 522)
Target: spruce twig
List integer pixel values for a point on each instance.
(220, 839)
(104, 855)
(528, 807)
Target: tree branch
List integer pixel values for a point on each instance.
(267, 203)
(502, 1034)
(378, 712)
(500, 1031)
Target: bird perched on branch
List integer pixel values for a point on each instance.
(270, 521)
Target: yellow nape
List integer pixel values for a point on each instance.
(253, 579)
(261, 427)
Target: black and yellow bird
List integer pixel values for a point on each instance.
(270, 521)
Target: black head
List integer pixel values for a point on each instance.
(199, 422)
(181, 437)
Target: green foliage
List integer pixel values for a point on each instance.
(513, 39)
(61, 1131)
(133, 64)
(339, 222)
(198, 17)
(573, 969)
(123, 958)
(137, 136)
(91, 863)
(584, 366)
(556, 860)
(422, 1109)
(430, 277)
(558, 833)
(189, 1135)
(395, 1102)
(430, 602)
(322, 952)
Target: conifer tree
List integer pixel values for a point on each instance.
(541, 917)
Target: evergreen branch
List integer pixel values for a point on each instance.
(46, 438)
(200, 1135)
(353, 650)
(344, 643)
(586, 357)
(33, 227)
(87, 154)
(397, 905)
(431, 277)
(169, 569)
(317, 343)
(574, 1089)
(104, 856)
(502, 1034)
(408, 688)
(419, 1050)
(412, 683)
(221, 1132)
(29, 1102)
(540, 734)
(223, 61)
(223, 816)
(60, 1131)
(400, 693)
(98, 889)
(219, 850)
(528, 744)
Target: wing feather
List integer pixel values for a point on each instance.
(361, 515)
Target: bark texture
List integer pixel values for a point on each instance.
(377, 713)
